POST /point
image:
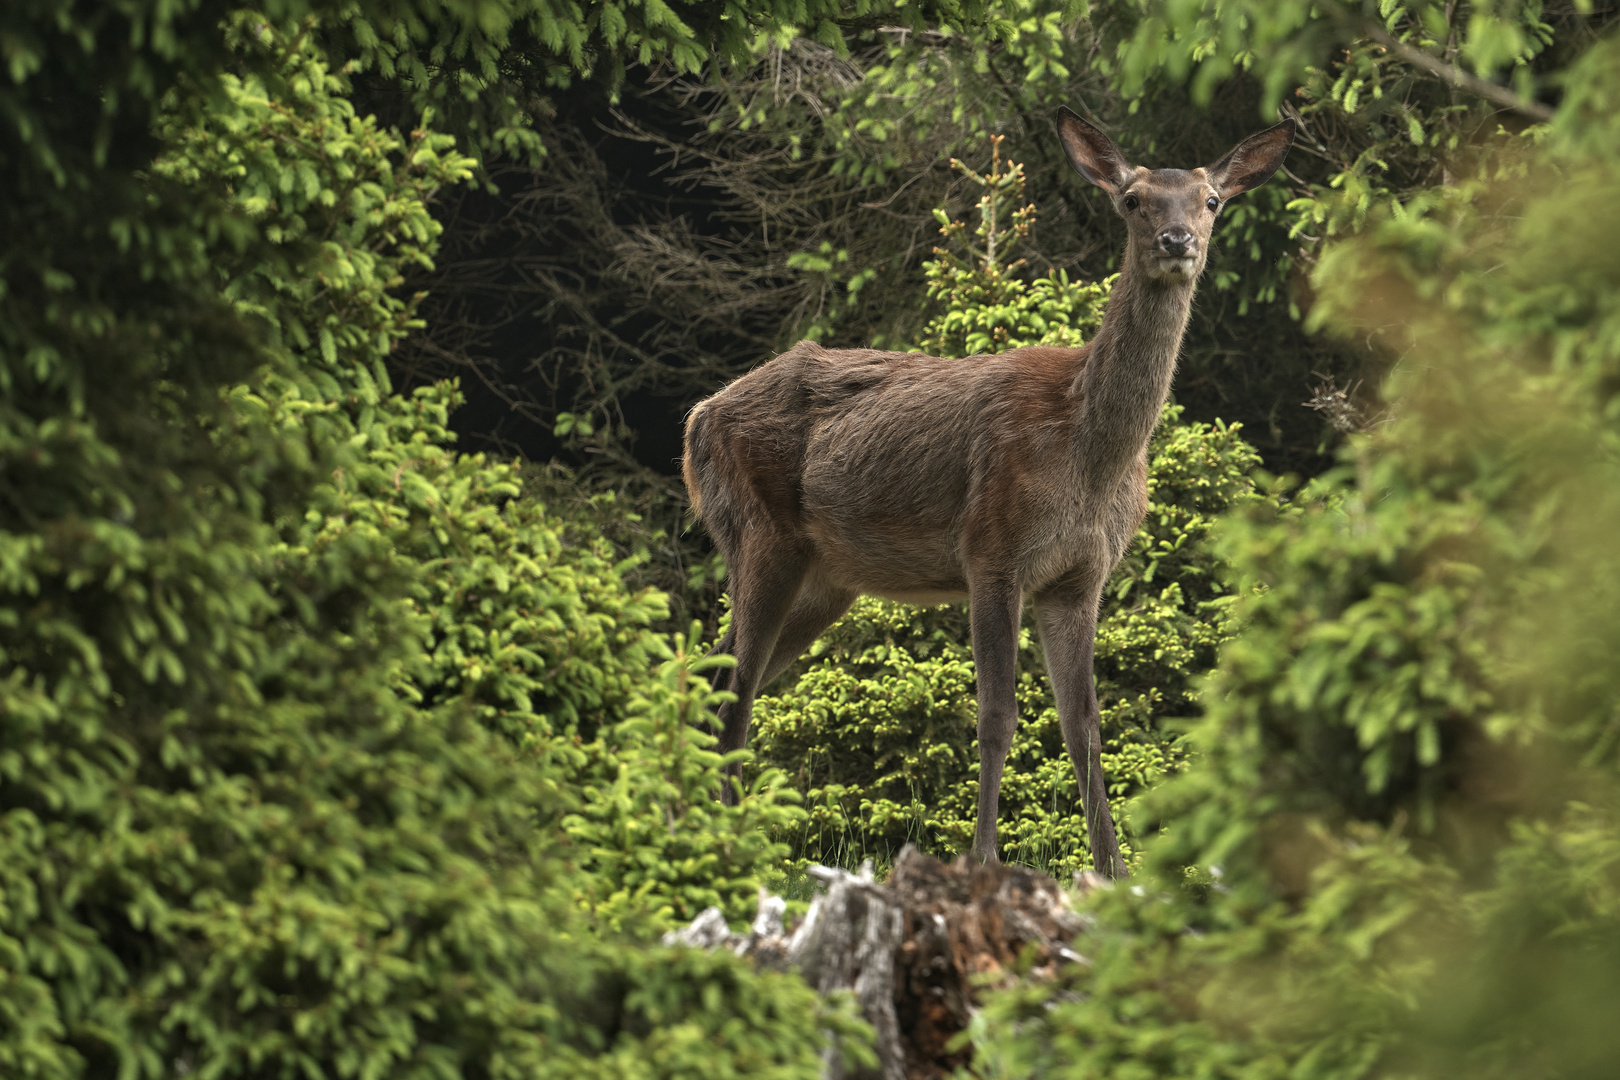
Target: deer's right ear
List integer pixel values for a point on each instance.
(1093, 154)
(1253, 161)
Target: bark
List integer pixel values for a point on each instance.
(916, 950)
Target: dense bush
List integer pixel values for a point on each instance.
(530, 628)
(297, 702)
(877, 729)
(1398, 850)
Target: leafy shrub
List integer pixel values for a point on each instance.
(294, 699)
(530, 627)
(652, 840)
(983, 304)
(530, 621)
(878, 728)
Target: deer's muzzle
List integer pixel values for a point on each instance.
(1176, 241)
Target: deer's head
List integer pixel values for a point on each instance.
(1170, 212)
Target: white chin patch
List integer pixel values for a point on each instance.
(1184, 266)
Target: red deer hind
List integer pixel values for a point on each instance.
(829, 473)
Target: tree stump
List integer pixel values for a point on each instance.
(912, 950)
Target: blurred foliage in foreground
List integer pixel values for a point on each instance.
(878, 728)
(1398, 850)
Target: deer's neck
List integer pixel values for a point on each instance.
(1125, 383)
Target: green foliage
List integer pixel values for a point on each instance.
(653, 841)
(878, 730)
(530, 629)
(985, 308)
(945, 87)
(929, 96)
(229, 840)
(1289, 42)
(690, 1014)
(651, 538)
(529, 624)
(491, 66)
(1398, 850)
(295, 701)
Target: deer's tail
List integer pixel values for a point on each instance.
(698, 456)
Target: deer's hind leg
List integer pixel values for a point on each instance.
(1067, 614)
(766, 580)
(720, 678)
(818, 605)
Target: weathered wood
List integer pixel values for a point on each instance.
(915, 950)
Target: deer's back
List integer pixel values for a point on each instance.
(896, 466)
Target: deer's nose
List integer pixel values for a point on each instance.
(1176, 240)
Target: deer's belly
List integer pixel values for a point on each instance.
(927, 564)
(918, 565)
(923, 597)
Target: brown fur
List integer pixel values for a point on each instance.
(828, 473)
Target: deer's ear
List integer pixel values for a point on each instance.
(1253, 161)
(1093, 154)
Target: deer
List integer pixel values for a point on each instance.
(1021, 476)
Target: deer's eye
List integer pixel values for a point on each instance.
(1131, 202)
(1214, 204)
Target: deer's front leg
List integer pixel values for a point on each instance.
(1068, 619)
(994, 610)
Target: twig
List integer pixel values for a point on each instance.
(1499, 95)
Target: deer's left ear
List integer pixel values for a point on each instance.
(1253, 161)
